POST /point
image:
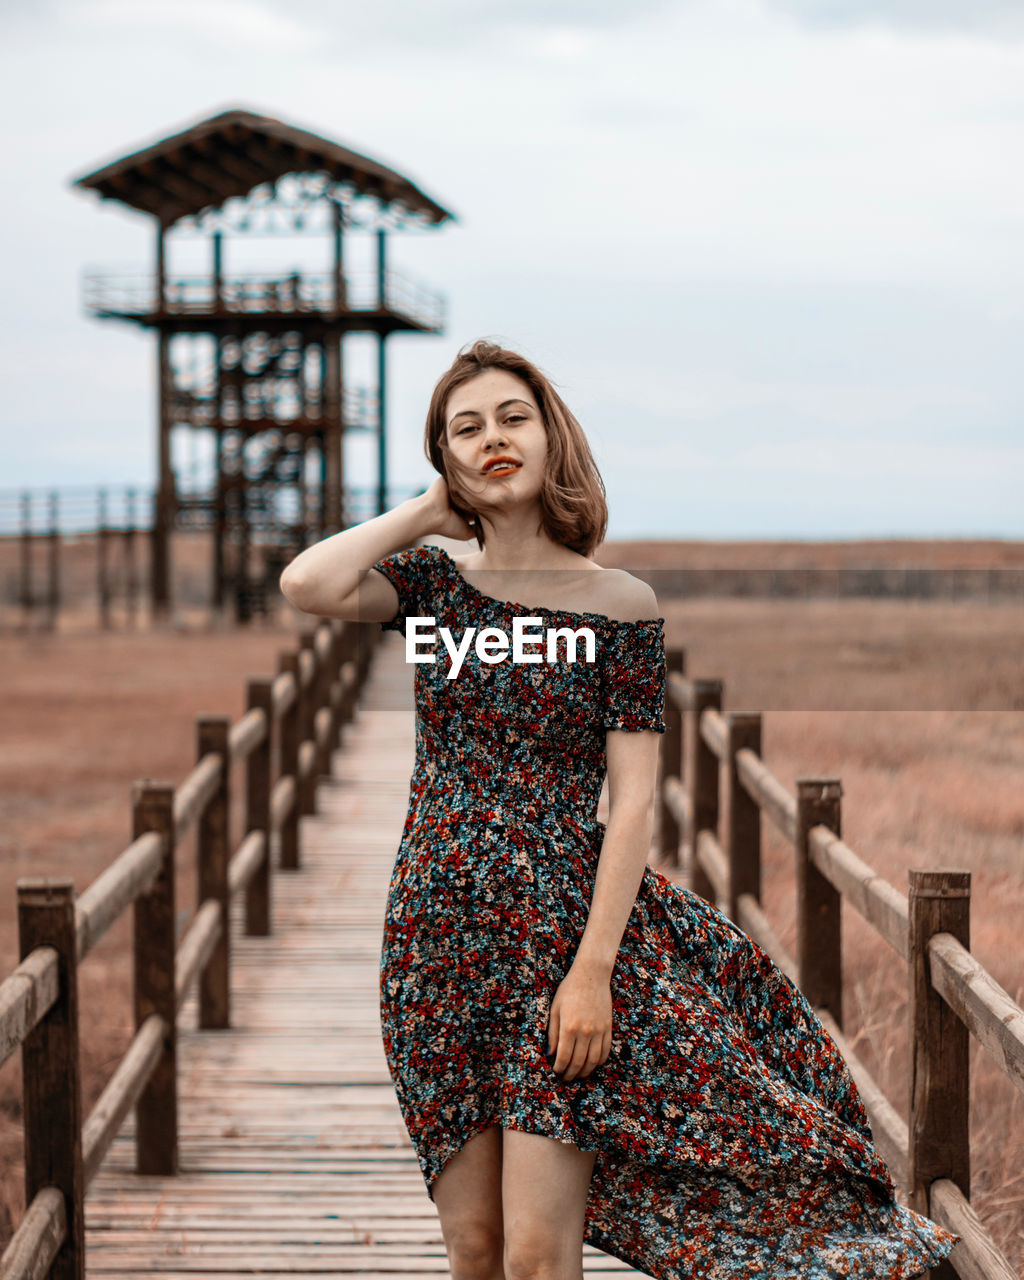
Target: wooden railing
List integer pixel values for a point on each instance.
(716, 821)
(285, 740)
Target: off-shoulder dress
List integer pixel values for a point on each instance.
(731, 1140)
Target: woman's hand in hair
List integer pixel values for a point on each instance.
(445, 520)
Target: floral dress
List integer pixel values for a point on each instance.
(730, 1137)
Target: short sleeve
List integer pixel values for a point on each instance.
(413, 574)
(633, 676)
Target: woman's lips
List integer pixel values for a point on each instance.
(502, 467)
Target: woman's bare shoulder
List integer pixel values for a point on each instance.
(627, 599)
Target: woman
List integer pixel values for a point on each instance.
(582, 1050)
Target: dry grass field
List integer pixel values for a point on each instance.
(917, 707)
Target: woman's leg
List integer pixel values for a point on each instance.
(467, 1193)
(544, 1199)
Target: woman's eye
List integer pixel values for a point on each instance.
(472, 426)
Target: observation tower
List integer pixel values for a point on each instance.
(255, 358)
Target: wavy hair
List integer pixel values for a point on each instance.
(574, 508)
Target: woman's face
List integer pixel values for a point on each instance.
(495, 415)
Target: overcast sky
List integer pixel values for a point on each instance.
(770, 250)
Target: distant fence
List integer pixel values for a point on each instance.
(37, 528)
(89, 549)
(717, 820)
(982, 585)
(285, 740)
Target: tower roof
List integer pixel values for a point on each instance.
(229, 154)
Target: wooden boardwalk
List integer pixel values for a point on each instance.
(294, 1158)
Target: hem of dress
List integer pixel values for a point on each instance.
(595, 1237)
(598, 1239)
(503, 1121)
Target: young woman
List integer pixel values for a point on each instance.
(582, 1050)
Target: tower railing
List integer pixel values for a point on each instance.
(128, 295)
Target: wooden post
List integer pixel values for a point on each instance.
(331, 692)
(288, 745)
(130, 567)
(706, 693)
(940, 902)
(743, 828)
(25, 557)
(329, 675)
(213, 852)
(818, 917)
(51, 1080)
(103, 559)
(156, 1112)
(339, 633)
(325, 685)
(352, 643)
(53, 585)
(669, 834)
(307, 710)
(257, 809)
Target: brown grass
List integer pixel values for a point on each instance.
(916, 707)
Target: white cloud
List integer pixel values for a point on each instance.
(872, 460)
(994, 19)
(268, 27)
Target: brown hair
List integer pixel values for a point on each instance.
(574, 510)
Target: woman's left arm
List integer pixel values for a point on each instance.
(632, 760)
(580, 1025)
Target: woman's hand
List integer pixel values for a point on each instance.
(580, 1023)
(445, 521)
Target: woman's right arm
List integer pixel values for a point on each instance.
(333, 578)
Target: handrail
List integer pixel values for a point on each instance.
(288, 293)
(995, 1020)
(130, 874)
(302, 711)
(26, 997)
(952, 996)
(36, 1243)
